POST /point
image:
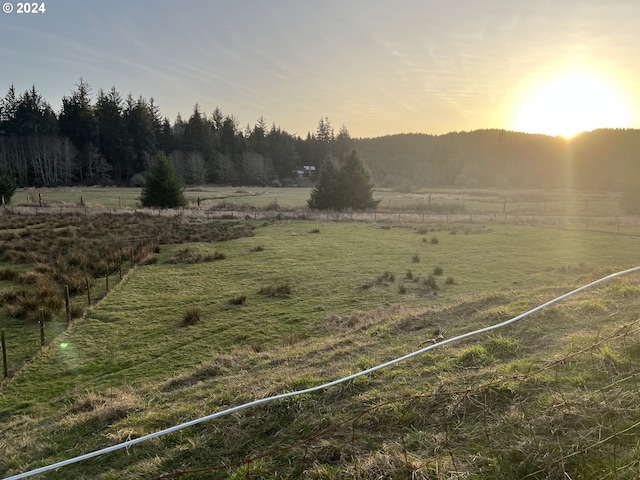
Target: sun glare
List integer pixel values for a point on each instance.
(571, 104)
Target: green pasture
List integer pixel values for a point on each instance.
(359, 296)
(438, 200)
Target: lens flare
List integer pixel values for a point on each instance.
(573, 103)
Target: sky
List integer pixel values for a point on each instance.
(378, 67)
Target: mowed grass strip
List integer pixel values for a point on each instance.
(327, 327)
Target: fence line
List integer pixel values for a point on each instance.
(591, 222)
(368, 371)
(67, 311)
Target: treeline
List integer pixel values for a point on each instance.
(607, 159)
(110, 139)
(106, 138)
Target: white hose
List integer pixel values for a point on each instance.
(175, 428)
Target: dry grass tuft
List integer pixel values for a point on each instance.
(109, 407)
(238, 300)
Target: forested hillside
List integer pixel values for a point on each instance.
(106, 138)
(599, 160)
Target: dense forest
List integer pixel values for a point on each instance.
(106, 138)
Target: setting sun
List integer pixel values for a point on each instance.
(571, 104)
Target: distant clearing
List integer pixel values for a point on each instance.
(436, 200)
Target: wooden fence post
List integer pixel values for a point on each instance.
(106, 281)
(42, 342)
(66, 304)
(5, 367)
(88, 291)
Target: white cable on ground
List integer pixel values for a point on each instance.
(314, 389)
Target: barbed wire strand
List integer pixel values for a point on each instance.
(254, 403)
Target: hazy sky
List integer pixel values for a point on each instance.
(379, 67)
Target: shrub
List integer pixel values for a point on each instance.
(422, 231)
(258, 248)
(450, 281)
(415, 258)
(409, 275)
(434, 240)
(278, 291)
(315, 230)
(402, 289)
(437, 271)
(191, 316)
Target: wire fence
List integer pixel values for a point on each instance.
(527, 424)
(16, 353)
(600, 223)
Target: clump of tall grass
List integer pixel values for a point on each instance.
(386, 279)
(8, 273)
(191, 316)
(238, 300)
(190, 256)
(276, 291)
(214, 257)
(42, 295)
(429, 284)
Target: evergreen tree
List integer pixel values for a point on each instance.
(34, 116)
(344, 142)
(327, 192)
(8, 109)
(163, 186)
(77, 120)
(166, 141)
(7, 186)
(345, 186)
(113, 139)
(356, 185)
(139, 122)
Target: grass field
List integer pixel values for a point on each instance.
(301, 303)
(438, 200)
